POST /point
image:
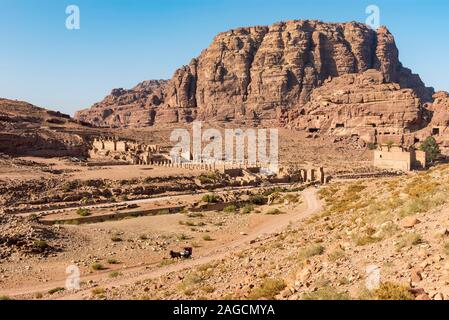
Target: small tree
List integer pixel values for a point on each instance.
(431, 148)
(389, 144)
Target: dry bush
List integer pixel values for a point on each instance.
(310, 251)
(392, 291)
(408, 240)
(326, 293)
(269, 288)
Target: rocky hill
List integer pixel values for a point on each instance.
(29, 130)
(263, 73)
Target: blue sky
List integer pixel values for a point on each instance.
(122, 42)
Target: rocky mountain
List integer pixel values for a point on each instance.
(29, 130)
(259, 74)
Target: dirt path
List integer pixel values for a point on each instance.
(133, 274)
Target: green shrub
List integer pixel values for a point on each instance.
(392, 291)
(83, 212)
(230, 208)
(408, 240)
(113, 261)
(365, 240)
(336, 254)
(207, 178)
(98, 291)
(269, 289)
(257, 200)
(210, 198)
(430, 146)
(114, 274)
(181, 237)
(97, 266)
(310, 251)
(247, 208)
(54, 290)
(326, 293)
(41, 244)
(207, 237)
(273, 211)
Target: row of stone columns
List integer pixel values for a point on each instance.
(310, 175)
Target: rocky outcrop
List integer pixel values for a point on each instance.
(29, 130)
(123, 107)
(439, 109)
(363, 104)
(259, 74)
(437, 114)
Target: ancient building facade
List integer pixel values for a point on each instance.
(124, 150)
(398, 158)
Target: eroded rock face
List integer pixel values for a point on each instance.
(123, 107)
(439, 109)
(258, 74)
(363, 104)
(29, 130)
(437, 114)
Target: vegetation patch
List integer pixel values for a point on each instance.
(408, 240)
(310, 251)
(247, 208)
(83, 212)
(210, 198)
(273, 211)
(326, 293)
(55, 290)
(269, 288)
(392, 291)
(230, 208)
(97, 266)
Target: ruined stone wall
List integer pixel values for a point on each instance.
(123, 150)
(419, 159)
(109, 145)
(393, 159)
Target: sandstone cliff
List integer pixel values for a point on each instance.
(263, 73)
(361, 104)
(29, 130)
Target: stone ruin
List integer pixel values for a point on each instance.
(134, 153)
(399, 158)
(125, 150)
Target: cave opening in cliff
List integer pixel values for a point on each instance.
(340, 125)
(436, 131)
(313, 130)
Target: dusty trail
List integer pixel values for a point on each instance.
(134, 274)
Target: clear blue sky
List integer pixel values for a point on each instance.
(122, 42)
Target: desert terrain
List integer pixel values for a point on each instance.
(96, 206)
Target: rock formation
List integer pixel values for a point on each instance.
(262, 73)
(438, 115)
(29, 130)
(363, 104)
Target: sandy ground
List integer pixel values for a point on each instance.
(81, 172)
(145, 242)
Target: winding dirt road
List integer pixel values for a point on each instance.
(133, 274)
